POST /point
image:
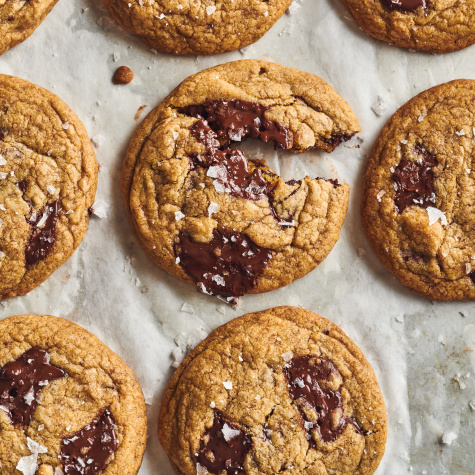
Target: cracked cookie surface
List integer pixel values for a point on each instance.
(436, 26)
(19, 19)
(68, 404)
(48, 178)
(277, 391)
(188, 27)
(418, 207)
(186, 185)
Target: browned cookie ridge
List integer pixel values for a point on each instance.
(19, 19)
(278, 391)
(48, 178)
(209, 215)
(68, 404)
(187, 27)
(418, 207)
(436, 26)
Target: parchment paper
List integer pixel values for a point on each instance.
(415, 346)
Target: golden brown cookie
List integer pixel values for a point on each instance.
(211, 217)
(48, 177)
(19, 19)
(418, 207)
(189, 27)
(68, 404)
(436, 26)
(278, 391)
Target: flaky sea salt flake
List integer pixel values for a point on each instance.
(28, 464)
(213, 208)
(380, 107)
(287, 356)
(187, 308)
(435, 214)
(99, 208)
(200, 470)
(179, 215)
(210, 10)
(293, 7)
(380, 195)
(229, 433)
(228, 384)
(460, 132)
(448, 438)
(2, 160)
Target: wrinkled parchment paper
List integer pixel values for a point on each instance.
(415, 346)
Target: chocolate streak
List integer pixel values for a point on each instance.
(21, 382)
(237, 120)
(414, 181)
(87, 452)
(225, 448)
(320, 407)
(405, 5)
(42, 238)
(228, 265)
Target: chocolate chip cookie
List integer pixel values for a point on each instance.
(68, 404)
(48, 177)
(19, 19)
(210, 216)
(188, 27)
(436, 26)
(278, 391)
(418, 207)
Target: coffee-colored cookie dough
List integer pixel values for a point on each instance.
(188, 27)
(180, 191)
(418, 208)
(62, 388)
(19, 19)
(48, 177)
(436, 26)
(278, 391)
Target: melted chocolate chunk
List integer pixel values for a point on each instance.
(229, 265)
(237, 120)
(335, 140)
(229, 168)
(88, 451)
(307, 377)
(405, 5)
(224, 447)
(2, 137)
(472, 276)
(21, 382)
(43, 237)
(414, 181)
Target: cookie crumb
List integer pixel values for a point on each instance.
(123, 75)
(361, 252)
(139, 111)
